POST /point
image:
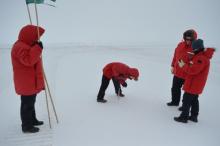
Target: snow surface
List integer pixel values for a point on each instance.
(141, 118)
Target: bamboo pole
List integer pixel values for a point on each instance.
(36, 12)
(29, 14)
(50, 96)
(44, 75)
(38, 35)
(48, 110)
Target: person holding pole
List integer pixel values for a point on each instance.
(119, 73)
(28, 74)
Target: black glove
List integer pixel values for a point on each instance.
(40, 44)
(124, 84)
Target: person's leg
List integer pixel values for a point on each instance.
(26, 111)
(117, 86)
(103, 87)
(187, 102)
(194, 109)
(176, 91)
(35, 121)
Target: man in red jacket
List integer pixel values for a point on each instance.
(28, 74)
(118, 72)
(179, 75)
(196, 68)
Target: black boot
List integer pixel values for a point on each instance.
(37, 123)
(172, 104)
(180, 119)
(101, 100)
(180, 108)
(31, 129)
(121, 95)
(193, 119)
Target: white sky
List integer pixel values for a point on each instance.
(115, 22)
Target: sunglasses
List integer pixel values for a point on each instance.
(188, 39)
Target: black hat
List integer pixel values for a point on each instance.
(198, 45)
(189, 33)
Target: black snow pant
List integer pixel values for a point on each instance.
(190, 101)
(176, 89)
(104, 85)
(27, 110)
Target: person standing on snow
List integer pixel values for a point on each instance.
(178, 74)
(28, 74)
(197, 69)
(118, 72)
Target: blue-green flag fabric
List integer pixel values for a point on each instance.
(34, 1)
(37, 1)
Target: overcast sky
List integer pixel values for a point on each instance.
(116, 22)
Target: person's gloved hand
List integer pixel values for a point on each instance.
(171, 69)
(124, 84)
(40, 44)
(181, 63)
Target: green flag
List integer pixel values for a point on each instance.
(37, 1)
(34, 1)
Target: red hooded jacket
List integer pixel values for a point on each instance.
(197, 72)
(180, 51)
(26, 62)
(119, 71)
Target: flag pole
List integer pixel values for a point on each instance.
(38, 33)
(48, 110)
(51, 99)
(44, 75)
(38, 36)
(29, 14)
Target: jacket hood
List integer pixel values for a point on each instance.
(28, 34)
(133, 72)
(190, 32)
(209, 52)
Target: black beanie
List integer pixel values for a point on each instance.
(189, 33)
(198, 45)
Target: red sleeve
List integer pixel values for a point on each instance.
(196, 66)
(174, 58)
(29, 57)
(118, 75)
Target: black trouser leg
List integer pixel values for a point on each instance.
(117, 86)
(27, 110)
(104, 85)
(195, 106)
(187, 103)
(33, 112)
(176, 89)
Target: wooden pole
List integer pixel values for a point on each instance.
(29, 14)
(51, 99)
(44, 75)
(38, 32)
(48, 110)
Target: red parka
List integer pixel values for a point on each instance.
(26, 62)
(181, 50)
(197, 72)
(119, 71)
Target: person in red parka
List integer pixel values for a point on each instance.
(196, 68)
(119, 73)
(28, 74)
(178, 73)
